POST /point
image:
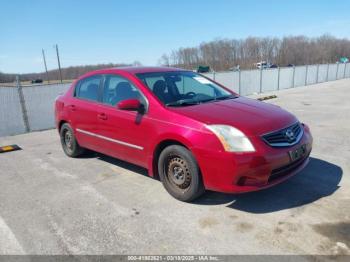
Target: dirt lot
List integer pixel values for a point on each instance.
(51, 204)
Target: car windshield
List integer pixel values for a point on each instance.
(183, 88)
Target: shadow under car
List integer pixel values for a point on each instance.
(319, 179)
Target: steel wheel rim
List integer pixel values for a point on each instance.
(68, 140)
(177, 172)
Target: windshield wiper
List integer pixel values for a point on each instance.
(196, 102)
(225, 97)
(213, 99)
(206, 100)
(183, 103)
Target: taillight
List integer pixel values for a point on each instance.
(59, 105)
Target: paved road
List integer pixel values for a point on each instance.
(50, 204)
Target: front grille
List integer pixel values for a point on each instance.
(288, 136)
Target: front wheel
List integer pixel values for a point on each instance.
(180, 174)
(69, 143)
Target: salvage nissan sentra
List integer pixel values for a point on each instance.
(191, 132)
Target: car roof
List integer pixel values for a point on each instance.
(139, 69)
(132, 70)
(147, 69)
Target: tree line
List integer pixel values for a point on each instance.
(224, 54)
(68, 73)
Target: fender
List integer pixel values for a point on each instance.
(171, 137)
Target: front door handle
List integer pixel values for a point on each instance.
(102, 116)
(73, 107)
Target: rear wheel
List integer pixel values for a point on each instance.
(69, 143)
(179, 173)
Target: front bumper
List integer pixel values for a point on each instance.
(245, 172)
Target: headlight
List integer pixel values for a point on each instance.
(232, 139)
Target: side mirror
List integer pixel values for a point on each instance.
(131, 105)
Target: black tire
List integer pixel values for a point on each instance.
(180, 174)
(69, 143)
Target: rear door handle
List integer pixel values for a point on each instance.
(102, 116)
(73, 107)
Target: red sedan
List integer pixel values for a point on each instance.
(191, 132)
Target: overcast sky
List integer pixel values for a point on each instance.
(91, 32)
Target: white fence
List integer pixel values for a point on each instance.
(31, 108)
(249, 82)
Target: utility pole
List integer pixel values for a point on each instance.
(59, 64)
(47, 74)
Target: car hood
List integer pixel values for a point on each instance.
(251, 116)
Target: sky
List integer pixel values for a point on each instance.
(116, 31)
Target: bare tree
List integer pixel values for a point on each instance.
(164, 60)
(222, 54)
